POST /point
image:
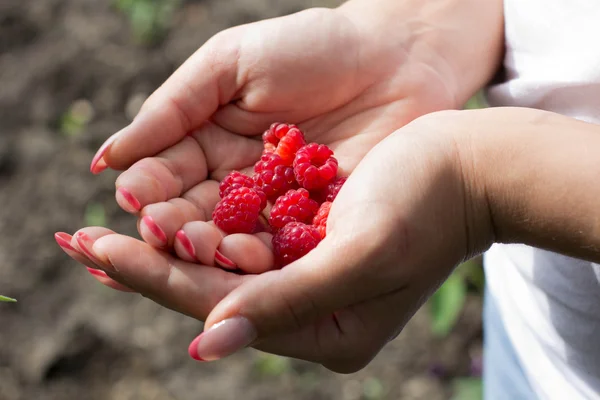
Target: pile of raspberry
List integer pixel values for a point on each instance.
(298, 180)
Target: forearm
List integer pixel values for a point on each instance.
(462, 39)
(541, 179)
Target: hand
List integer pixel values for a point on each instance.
(407, 215)
(319, 68)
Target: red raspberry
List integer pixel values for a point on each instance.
(294, 206)
(236, 180)
(320, 220)
(272, 135)
(273, 177)
(315, 166)
(284, 140)
(294, 241)
(332, 190)
(238, 212)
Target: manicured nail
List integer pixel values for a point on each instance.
(134, 204)
(223, 339)
(96, 166)
(158, 233)
(97, 272)
(85, 244)
(193, 349)
(64, 240)
(186, 243)
(223, 261)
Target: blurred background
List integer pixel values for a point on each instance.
(72, 72)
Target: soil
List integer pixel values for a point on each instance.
(69, 337)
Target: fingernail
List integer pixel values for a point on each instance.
(223, 261)
(97, 272)
(129, 199)
(223, 339)
(96, 166)
(193, 349)
(64, 240)
(85, 244)
(186, 243)
(155, 230)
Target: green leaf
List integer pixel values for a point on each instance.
(446, 305)
(272, 365)
(467, 389)
(7, 299)
(472, 271)
(475, 102)
(95, 215)
(373, 389)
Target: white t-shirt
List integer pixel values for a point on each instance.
(550, 303)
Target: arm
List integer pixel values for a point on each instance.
(462, 39)
(541, 178)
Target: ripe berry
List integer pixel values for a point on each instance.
(273, 177)
(320, 220)
(315, 166)
(283, 140)
(236, 180)
(293, 241)
(332, 189)
(238, 212)
(294, 206)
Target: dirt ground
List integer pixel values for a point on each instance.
(69, 337)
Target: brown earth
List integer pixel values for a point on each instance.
(69, 337)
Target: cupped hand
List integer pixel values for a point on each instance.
(320, 68)
(409, 213)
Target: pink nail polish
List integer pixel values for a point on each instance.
(130, 199)
(85, 244)
(95, 166)
(223, 261)
(223, 339)
(186, 243)
(155, 229)
(97, 272)
(64, 240)
(193, 349)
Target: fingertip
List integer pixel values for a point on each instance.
(250, 253)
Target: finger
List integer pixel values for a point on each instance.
(160, 222)
(187, 99)
(188, 163)
(253, 254)
(198, 242)
(104, 279)
(64, 240)
(160, 178)
(189, 288)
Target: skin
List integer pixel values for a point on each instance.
(382, 66)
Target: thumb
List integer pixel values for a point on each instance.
(182, 104)
(329, 278)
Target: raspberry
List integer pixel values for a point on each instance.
(238, 212)
(332, 190)
(284, 140)
(294, 206)
(236, 180)
(320, 220)
(272, 177)
(315, 166)
(293, 241)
